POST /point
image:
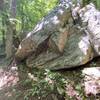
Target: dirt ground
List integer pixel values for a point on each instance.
(11, 87)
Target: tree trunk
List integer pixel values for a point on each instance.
(9, 41)
(2, 10)
(11, 30)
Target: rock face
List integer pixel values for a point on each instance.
(91, 16)
(77, 51)
(57, 43)
(53, 22)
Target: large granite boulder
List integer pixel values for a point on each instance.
(56, 43)
(77, 51)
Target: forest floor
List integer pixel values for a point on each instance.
(12, 80)
(11, 87)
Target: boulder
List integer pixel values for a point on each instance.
(55, 21)
(77, 51)
(58, 43)
(91, 17)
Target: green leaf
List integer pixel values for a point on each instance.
(60, 90)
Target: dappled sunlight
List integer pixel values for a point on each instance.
(29, 34)
(55, 20)
(71, 92)
(84, 14)
(38, 27)
(32, 77)
(20, 47)
(95, 72)
(84, 44)
(91, 16)
(8, 78)
(60, 11)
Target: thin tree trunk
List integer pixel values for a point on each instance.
(11, 30)
(2, 10)
(9, 39)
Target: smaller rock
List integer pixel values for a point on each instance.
(92, 80)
